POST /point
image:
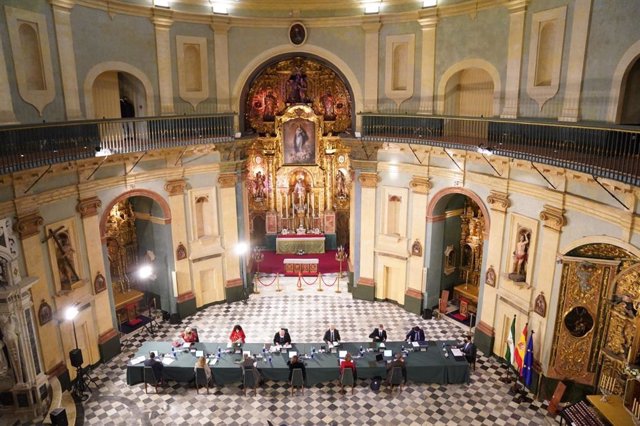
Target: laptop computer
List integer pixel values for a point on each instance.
(292, 354)
(379, 357)
(342, 354)
(388, 353)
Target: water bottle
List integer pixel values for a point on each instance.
(402, 348)
(270, 361)
(173, 352)
(361, 351)
(313, 352)
(219, 353)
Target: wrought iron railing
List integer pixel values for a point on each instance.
(612, 153)
(28, 146)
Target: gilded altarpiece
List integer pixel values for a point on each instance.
(596, 330)
(298, 179)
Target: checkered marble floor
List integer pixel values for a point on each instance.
(485, 401)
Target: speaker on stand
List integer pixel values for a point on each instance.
(58, 417)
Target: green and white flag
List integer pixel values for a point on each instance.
(510, 353)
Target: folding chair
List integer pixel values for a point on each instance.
(396, 378)
(201, 380)
(297, 380)
(150, 378)
(347, 379)
(249, 380)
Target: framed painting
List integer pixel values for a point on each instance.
(99, 284)
(299, 142)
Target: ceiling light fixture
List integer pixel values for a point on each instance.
(429, 3)
(371, 7)
(161, 3)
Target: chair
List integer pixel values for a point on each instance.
(150, 378)
(297, 380)
(249, 380)
(201, 380)
(396, 378)
(195, 330)
(347, 379)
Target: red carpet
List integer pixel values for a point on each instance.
(273, 263)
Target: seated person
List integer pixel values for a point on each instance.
(237, 335)
(202, 363)
(250, 364)
(397, 362)
(379, 334)
(295, 362)
(156, 366)
(416, 334)
(468, 349)
(347, 362)
(189, 335)
(282, 338)
(331, 335)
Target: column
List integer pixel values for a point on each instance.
(272, 214)
(517, 10)
(420, 187)
(162, 20)
(553, 220)
(229, 217)
(577, 54)
(67, 58)
(428, 22)
(221, 54)
(108, 337)
(485, 332)
(366, 285)
(6, 106)
(371, 27)
(186, 301)
(329, 213)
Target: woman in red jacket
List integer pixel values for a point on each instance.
(237, 335)
(347, 362)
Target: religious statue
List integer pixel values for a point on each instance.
(270, 106)
(297, 87)
(4, 365)
(65, 261)
(341, 185)
(520, 257)
(11, 340)
(328, 105)
(299, 192)
(259, 186)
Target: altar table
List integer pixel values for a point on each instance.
(301, 266)
(292, 243)
(430, 366)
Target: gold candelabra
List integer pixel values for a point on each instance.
(341, 256)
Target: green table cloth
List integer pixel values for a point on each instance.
(429, 366)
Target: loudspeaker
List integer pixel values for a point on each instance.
(375, 383)
(59, 417)
(75, 355)
(427, 314)
(165, 316)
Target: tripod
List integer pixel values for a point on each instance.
(80, 389)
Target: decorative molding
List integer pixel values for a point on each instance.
(553, 217)
(88, 207)
(369, 180)
(369, 282)
(185, 296)
(44, 313)
(399, 67)
(227, 180)
(99, 283)
(413, 293)
(235, 282)
(486, 329)
(29, 225)
(420, 185)
(540, 305)
(134, 193)
(181, 252)
(416, 248)
(107, 335)
(175, 187)
(498, 201)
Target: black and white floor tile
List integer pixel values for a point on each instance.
(485, 401)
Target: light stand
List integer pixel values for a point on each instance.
(241, 248)
(80, 389)
(145, 273)
(341, 256)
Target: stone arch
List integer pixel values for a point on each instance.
(437, 197)
(600, 239)
(120, 67)
(618, 81)
(470, 63)
(166, 210)
(285, 49)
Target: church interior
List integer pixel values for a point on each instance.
(471, 167)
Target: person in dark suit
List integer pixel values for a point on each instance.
(379, 334)
(156, 366)
(282, 338)
(295, 362)
(416, 334)
(468, 349)
(331, 335)
(249, 364)
(398, 361)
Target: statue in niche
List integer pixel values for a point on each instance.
(65, 260)
(297, 87)
(341, 185)
(625, 305)
(328, 105)
(520, 257)
(4, 272)
(270, 106)
(299, 192)
(259, 186)
(10, 338)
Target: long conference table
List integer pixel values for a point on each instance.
(430, 366)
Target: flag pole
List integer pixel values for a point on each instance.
(506, 378)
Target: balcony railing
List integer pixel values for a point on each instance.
(29, 146)
(603, 152)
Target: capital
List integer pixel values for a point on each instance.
(29, 225)
(227, 180)
(498, 201)
(420, 185)
(175, 187)
(88, 207)
(553, 217)
(369, 180)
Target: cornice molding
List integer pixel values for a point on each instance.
(65, 5)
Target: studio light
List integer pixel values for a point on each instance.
(241, 248)
(145, 272)
(429, 3)
(71, 313)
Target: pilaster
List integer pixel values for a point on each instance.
(517, 10)
(498, 203)
(428, 21)
(577, 55)
(420, 187)
(368, 183)
(229, 225)
(371, 52)
(66, 54)
(221, 55)
(162, 21)
(553, 220)
(7, 116)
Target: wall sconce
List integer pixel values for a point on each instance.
(219, 8)
(429, 3)
(371, 7)
(161, 3)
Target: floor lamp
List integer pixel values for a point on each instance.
(80, 389)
